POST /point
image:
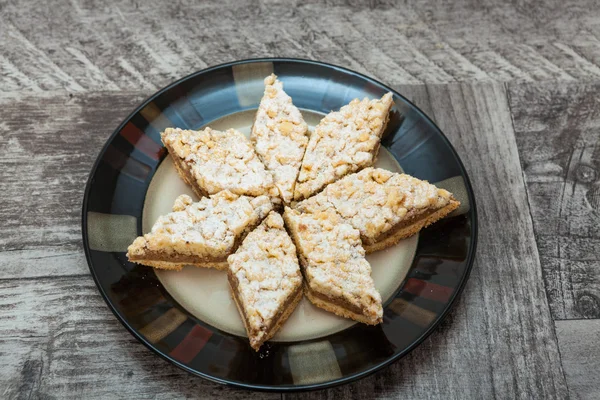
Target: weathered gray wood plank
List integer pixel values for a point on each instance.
(558, 136)
(499, 341)
(501, 328)
(48, 144)
(58, 340)
(580, 354)
(106, 45)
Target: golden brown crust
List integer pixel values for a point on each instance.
(159, 264)
(174, 266)
(285, 313)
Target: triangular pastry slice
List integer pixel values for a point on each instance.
(265, 279)
(211, 161)
(201, 234)
(280, 135)
(384, 206)
(343, 142)
(337, 275)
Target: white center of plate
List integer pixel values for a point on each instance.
(204, 292)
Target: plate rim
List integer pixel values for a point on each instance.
(470, 258)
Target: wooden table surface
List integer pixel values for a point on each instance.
(513, 85)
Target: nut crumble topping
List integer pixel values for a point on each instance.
(343, 142)
(334, 261)
(219, 161)
(267, 275)
(280, 135)
(206, 229)
(375, 200)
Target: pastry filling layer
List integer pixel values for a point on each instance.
(184, 168)
(291, 301)
(152, 255)
(401, 226)
(336, 301)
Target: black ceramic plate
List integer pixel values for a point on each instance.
(113, 210)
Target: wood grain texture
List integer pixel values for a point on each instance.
(71, 70)
(578, 342)
(518, 358)
(558, 135)
(48, 144)
(107, 45)
(59, 341)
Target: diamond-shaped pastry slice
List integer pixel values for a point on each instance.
(265, 279)
(280, 136)
(201, 234)
(384, 206)
(337, 275)
(343, 142)
(211, 161)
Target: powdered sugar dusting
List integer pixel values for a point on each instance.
(374, 200)
(267, 271)
(280, 136)
(220, 160)
(345, 141)
(336, 264)
(207, 228)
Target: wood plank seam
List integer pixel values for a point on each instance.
(85, 274)
(530, 215)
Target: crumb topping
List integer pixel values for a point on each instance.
(267, 271)
(280, 135)
(374, 200)
(207, 228)
(336, 264)
(343, 142)
(220, 161)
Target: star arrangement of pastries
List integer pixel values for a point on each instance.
(335, 208)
